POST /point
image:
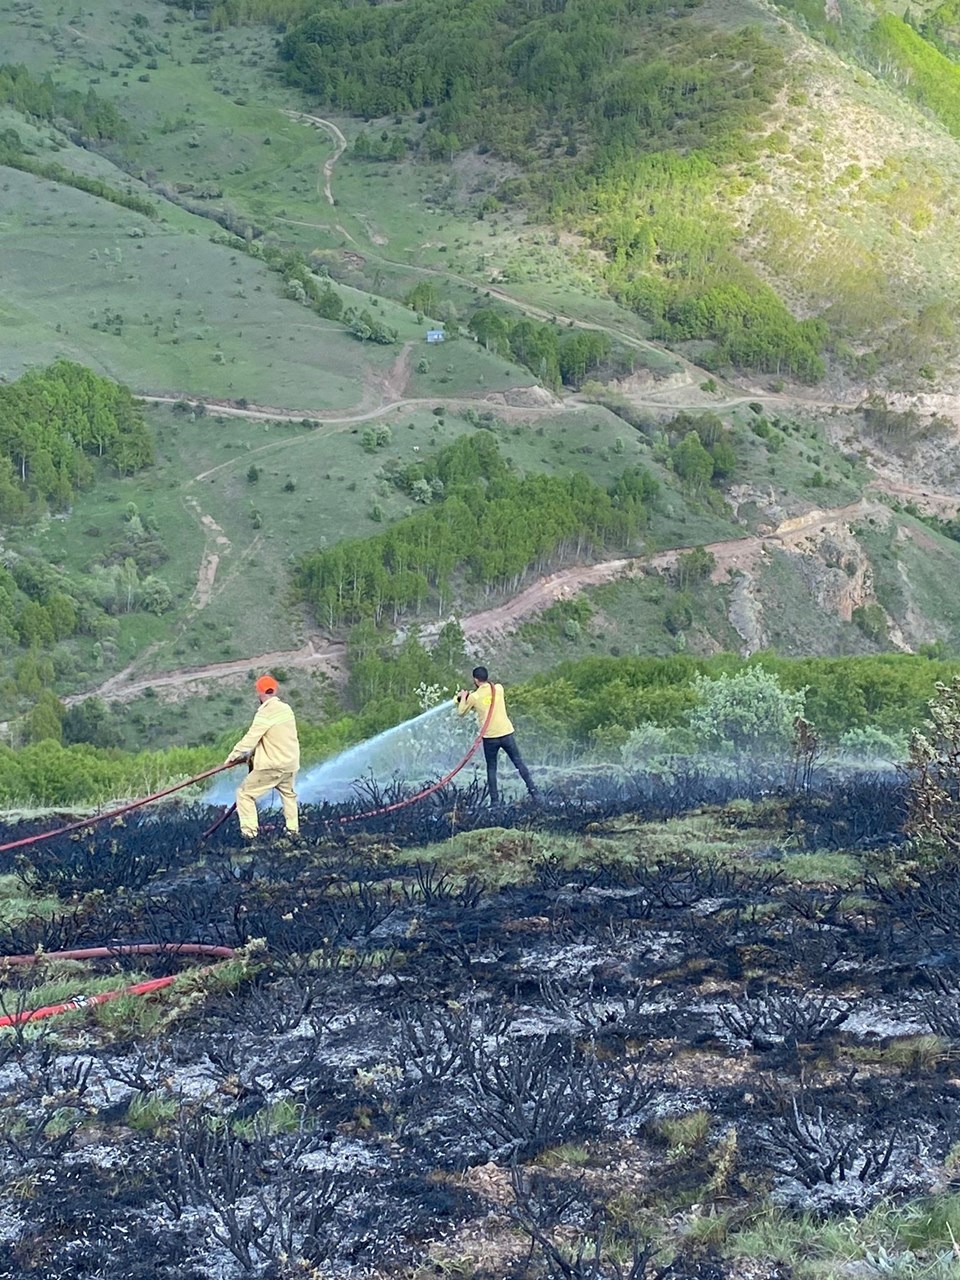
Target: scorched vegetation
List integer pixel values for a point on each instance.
(619, 1035)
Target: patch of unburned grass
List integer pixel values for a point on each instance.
(500, 855)
(17, 903)
(282, 1116)
(684, 1133)
(150, 1111)
(824, 866)
(912, 1242)
(697, 836)
(910, 1054)
(570, 1154)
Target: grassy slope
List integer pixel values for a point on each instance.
(204, 114)
(853, 212)
(850, 208)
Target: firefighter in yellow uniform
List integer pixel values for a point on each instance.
(272, 740)
(498, 734)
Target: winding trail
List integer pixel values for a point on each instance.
(216, 545)
(495, 400)
(339, 142)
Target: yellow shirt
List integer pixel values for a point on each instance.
(479, 702)
(272, 737)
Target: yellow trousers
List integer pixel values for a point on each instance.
(256, 784)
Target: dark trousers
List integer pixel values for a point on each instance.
(491, 748)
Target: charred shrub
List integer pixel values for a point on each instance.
(817, 1146)
(774, 1018)
(532, 1094)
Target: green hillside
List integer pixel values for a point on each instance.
(664, 241)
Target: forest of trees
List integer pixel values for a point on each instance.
(702, 449)
(927, 75)
(58, 427)
(481, 520)
(672, 258)
(52, 422)
(554, 355)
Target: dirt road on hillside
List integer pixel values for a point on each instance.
(258, 412)
(339, 143)
(730, 554)
(329, 655)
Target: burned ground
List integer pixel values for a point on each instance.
(596, 1039)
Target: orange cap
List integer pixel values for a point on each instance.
(267, 684)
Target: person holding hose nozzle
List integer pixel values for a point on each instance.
(498, 734)
(272, 744)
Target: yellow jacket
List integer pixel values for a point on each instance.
(479, 702)
(272, 737)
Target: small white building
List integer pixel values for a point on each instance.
(434, 335)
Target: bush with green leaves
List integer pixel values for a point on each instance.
(871, 745)
(933, 769)
(747, 713)
(652, 748)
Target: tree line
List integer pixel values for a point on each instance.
(56, 767)
(671, 250)
(578, 700)
(557, 356)
(634, 705)
(575, 706)
(926, 74)
(53, 421)
(481, 521)
(304, 285)
(14, 155)
(553, 356)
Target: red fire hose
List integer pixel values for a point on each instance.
(102, 997)
(95, 953)
(125, 949)
(83, 1002)
(113, 813)
(398, 804)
